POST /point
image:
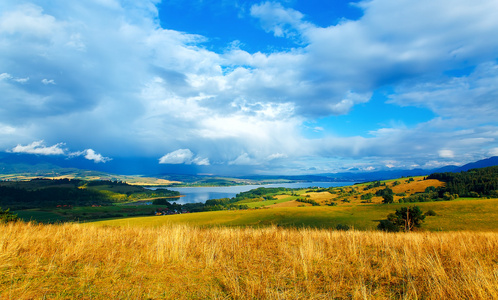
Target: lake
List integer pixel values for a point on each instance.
(202, 194)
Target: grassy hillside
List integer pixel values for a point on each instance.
(31, 172)
(73, 261)
(347, 195)
(62, 200)
(462, 214)
(359, 206)
(283, 250)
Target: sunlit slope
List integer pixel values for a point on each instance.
(72, 261)
(462, 214)
(347, 195)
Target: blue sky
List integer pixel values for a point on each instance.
(268, 87)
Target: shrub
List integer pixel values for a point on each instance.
(386, 225)
(430, 212)
(343, 227)
(310, 201)
(367, 196)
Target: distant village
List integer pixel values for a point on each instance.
(165, 212)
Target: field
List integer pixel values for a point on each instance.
(87, 175)
(278, 249)
(347, 195)
(83, 214)
(75, 261)
(462, 214)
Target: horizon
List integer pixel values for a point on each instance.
(249, 87)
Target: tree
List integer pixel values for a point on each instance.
(405, 218)
(383, 192)
(386, 225)
(388, 198)
(6, 216)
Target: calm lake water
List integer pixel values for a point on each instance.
(202, 194)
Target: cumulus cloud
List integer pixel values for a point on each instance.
(243, 159)
(38, 147)
(183, 156)
(106, 72)
(180, 156)
(458, 98)
(283, 22)
(90, 154)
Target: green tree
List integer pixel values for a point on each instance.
(388, 198)
(7, 216)
(405, 218)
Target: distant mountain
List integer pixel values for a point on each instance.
(393, 174)
(12, 163)
(488, 162)
(446, 169)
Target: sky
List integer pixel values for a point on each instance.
(263, 87)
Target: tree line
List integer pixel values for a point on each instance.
(481, 182)
(41, 193)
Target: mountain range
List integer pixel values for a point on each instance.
(11, 163)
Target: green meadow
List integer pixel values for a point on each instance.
(460, 214)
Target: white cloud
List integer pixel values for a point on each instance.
(21, 80)
(96, 157)
(4, 76)
(459, 99)
(38, 147)
(243, 159)
(180, 156)
(201, 161)
(493, 152)
(46, 81)
(174, 93)
(183, 156)
(5, 129)
(277, 156)
(7, 76)
(445, 153)
(279, 20)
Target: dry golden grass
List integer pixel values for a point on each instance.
(320, 196)
(409, 188)
(180, 262)
(417, 186)
(292, 203)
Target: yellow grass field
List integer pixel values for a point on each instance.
(75, 261)
(346, 192)
(292, 203)
(462, 214)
